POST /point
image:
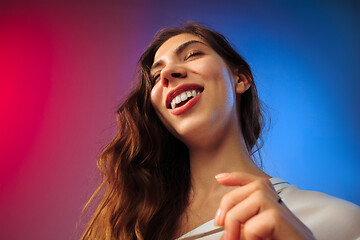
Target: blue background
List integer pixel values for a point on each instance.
(305, 56)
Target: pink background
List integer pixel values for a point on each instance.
(64, 69)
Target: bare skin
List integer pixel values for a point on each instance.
(211, 130)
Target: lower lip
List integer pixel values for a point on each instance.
(186, 107)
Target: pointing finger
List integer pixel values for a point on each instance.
(237, 178)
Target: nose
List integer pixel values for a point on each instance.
(171, 74)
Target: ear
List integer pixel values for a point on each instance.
(242, 83)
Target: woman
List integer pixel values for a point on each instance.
(181, 161)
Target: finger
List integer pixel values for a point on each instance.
(238, 178)
(273, 224)
(261, 226)
(245, 210)
(238, 215)
(234, 197)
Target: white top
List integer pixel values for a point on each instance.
(327, 217)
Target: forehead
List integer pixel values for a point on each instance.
(172, 43)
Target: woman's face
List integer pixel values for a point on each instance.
(194, 91)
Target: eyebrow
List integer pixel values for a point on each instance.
(178, 51)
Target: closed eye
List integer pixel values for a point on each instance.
(193, 54)
(155, 77)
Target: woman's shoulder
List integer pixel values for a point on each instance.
(328, 217)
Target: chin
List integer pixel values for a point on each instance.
(192, 131)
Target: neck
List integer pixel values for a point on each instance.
(228, 154)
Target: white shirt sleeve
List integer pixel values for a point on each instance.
(326, 216)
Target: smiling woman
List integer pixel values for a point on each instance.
(182, 160)
(207, 74)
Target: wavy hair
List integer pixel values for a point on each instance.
(146, 170)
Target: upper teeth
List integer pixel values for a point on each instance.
(183, 96)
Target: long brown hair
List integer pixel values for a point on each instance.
(146, 170)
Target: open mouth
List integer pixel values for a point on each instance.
(183, 98)
(182, 94)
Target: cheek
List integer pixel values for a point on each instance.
(222, 86)
(214, 68)
(156, 97)
(221, 77)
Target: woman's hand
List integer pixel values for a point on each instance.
(255, 211)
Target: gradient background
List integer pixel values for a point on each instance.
(64, 68)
